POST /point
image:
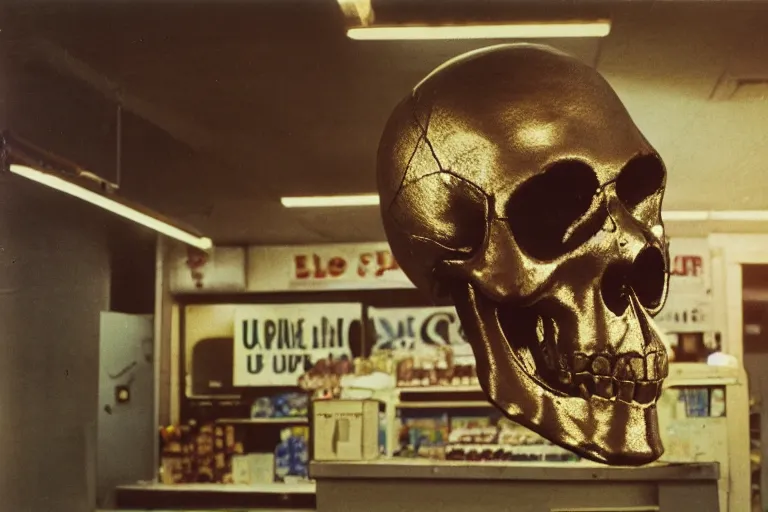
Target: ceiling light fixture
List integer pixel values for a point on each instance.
(522, 30)
(715, 215)
(94, 190)
(668, 216)
(330, 201)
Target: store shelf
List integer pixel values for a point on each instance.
(264, 421)
(440, 389)
(266, 488)
(458, 404)
(268, 496)
(708, 382)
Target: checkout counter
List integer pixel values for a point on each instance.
(705, 467)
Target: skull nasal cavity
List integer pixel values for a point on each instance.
(645, 277)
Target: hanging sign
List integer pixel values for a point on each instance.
(324, 267)
(689, 266)
(689, 303)
(408, 327)
(276, 344)
(419, 329)
(686, 313)
(194, 271)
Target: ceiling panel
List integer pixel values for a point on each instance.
(296, 108)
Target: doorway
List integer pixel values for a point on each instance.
(755, 346)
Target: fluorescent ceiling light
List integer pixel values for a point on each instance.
(598, 28)
(687, 216)
(119, 207)
(330, 201)
(722, 215)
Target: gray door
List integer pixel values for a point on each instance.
(126, 420)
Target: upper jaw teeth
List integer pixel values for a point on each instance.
(628, 377)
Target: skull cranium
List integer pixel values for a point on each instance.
(514, 182)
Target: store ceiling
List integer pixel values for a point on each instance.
(280, 102)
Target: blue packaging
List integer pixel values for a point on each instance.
(292, 454)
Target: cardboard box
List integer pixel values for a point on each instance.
(345, 430)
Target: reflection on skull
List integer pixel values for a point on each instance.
(514, 183)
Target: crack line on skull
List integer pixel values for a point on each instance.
(425, 135)
(458, 177)
(442, 246)
(422, 137)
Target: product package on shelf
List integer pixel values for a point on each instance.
(253, 468)
(423, 436)
(323, 379)
(475, 438)
(292, 454)
(433, 366)
(427, 346)
(284, 405)
(198, 454)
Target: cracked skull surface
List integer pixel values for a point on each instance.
(514, 183)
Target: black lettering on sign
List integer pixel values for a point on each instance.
(327, 335)
(288, 363)
(270, 332)
(436, 329)
(251, 334)
(255, 363)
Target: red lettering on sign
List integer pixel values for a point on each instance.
(337, 266)
(385, 262)
(320, 272)
(316, 268)
(364, 264)
(687, 266)
(302, 271)
(369, 265)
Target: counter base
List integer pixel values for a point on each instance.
(515, 488)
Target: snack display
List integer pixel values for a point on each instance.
(433, 366)
(323, 379)
(284, 405)
(475, 438)
(198, 454)
(423, 437)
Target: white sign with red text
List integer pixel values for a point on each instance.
(689, 266)
(689, 303)
(193, 271)
(324, 267)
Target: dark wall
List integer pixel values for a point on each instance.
(56, 254)
(54, 283)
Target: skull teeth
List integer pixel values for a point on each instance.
(628, 378)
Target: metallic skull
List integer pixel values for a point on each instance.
(514, 183)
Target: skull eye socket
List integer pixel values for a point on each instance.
(642, 177)
(544, 210)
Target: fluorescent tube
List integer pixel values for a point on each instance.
(667, 216)
(113, 205)
(330, 201)
(685, 216)
(715, 215)
(598, 28)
